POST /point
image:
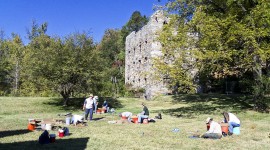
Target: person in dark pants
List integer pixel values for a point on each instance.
(88, 107)
(214, 131)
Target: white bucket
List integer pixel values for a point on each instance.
(67, 121)
(48, 127)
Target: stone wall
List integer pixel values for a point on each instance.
(141, 48)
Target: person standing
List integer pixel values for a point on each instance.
(95, 104)
(144, 114)
(232, 120)
(88, 107)
(214, 131)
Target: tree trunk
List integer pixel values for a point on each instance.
(65, 101)
(65, 91)
(258, 87)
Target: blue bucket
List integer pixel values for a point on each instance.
(236, 130)
(67, 121)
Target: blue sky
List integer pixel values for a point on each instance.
(68, 16)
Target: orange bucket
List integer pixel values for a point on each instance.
(135, 119)
(224, 127)
(31, 127)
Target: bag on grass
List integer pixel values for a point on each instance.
(66, 131)
(44, 138)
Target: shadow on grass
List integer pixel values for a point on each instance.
(77, 103)
(74, 144)
(13, 132)
(208, 104)
(96, 119)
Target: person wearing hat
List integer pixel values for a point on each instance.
(214, 131)
(88, 107)
(144, 114)
(232, 120)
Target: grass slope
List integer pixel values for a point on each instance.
(185, 112)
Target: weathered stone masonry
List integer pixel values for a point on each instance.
(141, 48)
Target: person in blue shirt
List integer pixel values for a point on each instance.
(105, 106)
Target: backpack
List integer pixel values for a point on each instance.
(66, 131)
(44, 138)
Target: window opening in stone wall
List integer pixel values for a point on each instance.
(145, 58)
(133, 81)
(156, 19)
(128, 51)
(165, 22)
(139, 80)
(134, 50)
(133, 62)
(146, 42)
(145, 79)
(128, 78)
(140, 48)
(139, 61)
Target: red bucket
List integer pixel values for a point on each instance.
(61, 134)
(207, 126)
(52, 138)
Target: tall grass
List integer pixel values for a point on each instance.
(186, 113)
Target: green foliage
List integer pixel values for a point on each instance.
(67, 66)
(223, 38)
(136, 22)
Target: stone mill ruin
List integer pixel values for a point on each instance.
(141, 48)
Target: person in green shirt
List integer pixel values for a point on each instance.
(144, 114)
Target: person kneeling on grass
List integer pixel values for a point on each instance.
(214, 131)
(232, 120)
(128, 115)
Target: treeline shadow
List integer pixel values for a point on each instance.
(13, 132)
(208, 104)
(72, 144)
(77, 103)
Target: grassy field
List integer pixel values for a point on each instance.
(185, 112)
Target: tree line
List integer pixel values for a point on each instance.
(73, 65)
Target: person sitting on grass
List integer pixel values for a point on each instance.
(144, 114)
(232, 120)
(128, 115)
(214, 131)
(105, 106)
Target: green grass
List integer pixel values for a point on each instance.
(185, 112)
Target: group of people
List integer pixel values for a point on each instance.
(215, 131)
(90, 106)
(142, 115)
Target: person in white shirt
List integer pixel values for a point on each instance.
(88, 107)
(214, 131)
(126, 114)
(232, 120)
